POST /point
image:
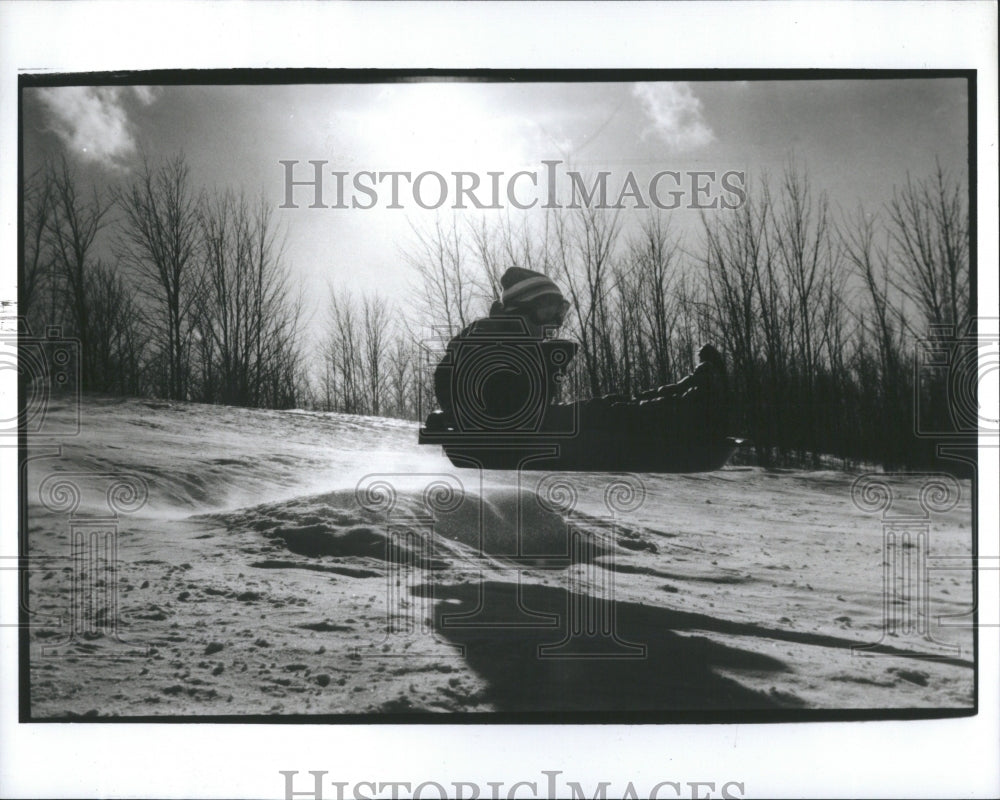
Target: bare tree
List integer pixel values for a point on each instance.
(880, 324)
(343, 353)
(73, 227)
(584, 250)
(834, 390)
(247, 319)
(115, 343)
(508, 244)
(654, 252)
(38, 264)
(804, 246)
(280, 361)
(929, 224)
(403, 363)
(737, 254)
(445, 288)
(375, 315)
(160, 241)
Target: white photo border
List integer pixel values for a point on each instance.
(926, 758)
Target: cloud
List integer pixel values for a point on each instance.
(92, 121)
(675, 114)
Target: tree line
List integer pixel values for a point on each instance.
(191, 300)
(819, 313)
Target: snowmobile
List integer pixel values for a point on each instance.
(578, 448)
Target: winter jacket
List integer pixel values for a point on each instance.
(500, 375)
(703, 398)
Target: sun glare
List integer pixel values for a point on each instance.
(442, 126)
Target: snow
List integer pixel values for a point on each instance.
(309, 563)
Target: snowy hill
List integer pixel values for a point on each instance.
(308, 563)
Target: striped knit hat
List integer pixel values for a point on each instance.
(521, 286)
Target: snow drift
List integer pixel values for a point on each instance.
(307, 563)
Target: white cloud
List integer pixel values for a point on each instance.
(675, 114)
(92, 121)
(145, 94)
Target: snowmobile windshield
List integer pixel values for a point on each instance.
(549, 311)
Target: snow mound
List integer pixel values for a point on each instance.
(499, 522)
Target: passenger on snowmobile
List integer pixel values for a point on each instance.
(698, 403)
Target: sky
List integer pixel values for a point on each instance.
(856, 139)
